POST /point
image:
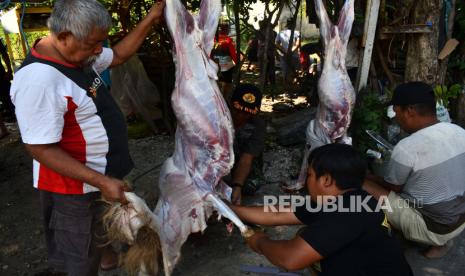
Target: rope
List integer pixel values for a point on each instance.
(23, 4)
(4, 4)
(146, 172)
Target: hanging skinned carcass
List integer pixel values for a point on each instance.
(335, 90)
(190, 180)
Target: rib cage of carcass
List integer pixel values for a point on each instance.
(190, 180)
(335, 90)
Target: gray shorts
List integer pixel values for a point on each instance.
(73, 232)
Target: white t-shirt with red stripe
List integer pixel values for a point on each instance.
(70, 106)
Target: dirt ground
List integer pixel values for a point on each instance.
(215, 252)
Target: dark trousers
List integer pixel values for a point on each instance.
(73, 232)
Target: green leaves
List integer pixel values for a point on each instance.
(444, 94)
(369, 113)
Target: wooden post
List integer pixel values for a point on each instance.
(371, 19)
(8, 46)
(23, 44)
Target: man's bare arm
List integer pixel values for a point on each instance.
(280, 48)
(263, 215)
(129, 45)
(291, 255)
(242, 169)
(296, 45)
(383, 183)
(240, 174)
(55, 158)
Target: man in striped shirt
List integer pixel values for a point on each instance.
(73, 128)
(425, 178)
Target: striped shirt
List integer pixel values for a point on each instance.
(58, 103)
(431, 164)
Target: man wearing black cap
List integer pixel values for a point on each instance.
(425, 178)
(248, 141)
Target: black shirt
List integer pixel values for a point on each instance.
(353, 243)
(250, 138)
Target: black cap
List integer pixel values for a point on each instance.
(415, 92)
(247, 97)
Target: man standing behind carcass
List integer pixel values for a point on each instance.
(73, 128)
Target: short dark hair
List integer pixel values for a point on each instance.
(424, 109)
(414, 92)
(342, 162)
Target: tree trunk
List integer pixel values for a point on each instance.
(269, 25)
(422, 55)
(264, 58)
(238, 42)
(124, 12)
